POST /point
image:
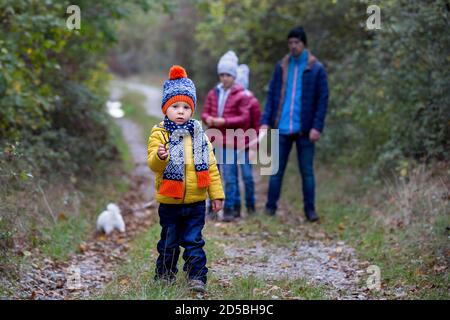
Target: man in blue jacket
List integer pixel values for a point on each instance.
(296, 105)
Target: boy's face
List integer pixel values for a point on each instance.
(179, 112)
(227, 80)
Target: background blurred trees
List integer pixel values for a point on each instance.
(52, 85)
(389, 88)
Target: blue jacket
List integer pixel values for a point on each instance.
(314, 98)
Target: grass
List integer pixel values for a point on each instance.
(57, 241)
(57, 229)
(61, 239)
(367, 217)
(134, 279)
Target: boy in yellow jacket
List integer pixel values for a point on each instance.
(185, 167)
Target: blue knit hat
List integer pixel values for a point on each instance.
(178, 88)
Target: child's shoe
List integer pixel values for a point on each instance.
(165, 280)
(251, 210)
(237, 211)
(228, 215)
(196, 285)
(211, 215)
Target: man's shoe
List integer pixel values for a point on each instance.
(270, 212)
(228, 215)
(196, 285)
(312, 216)
(211, 215)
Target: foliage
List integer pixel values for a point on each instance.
(52, 82)
(389, 88)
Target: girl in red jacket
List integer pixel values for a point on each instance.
(227, 107)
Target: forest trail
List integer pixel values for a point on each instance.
(289, 249)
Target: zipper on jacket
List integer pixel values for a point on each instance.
(184, 183)
(185, 176)
(294, 87)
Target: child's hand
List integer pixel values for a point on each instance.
(217, 205)
(209, 121)
(162, 152)
(219, 122)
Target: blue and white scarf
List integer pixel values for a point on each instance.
(173, 176)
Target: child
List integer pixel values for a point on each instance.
(245, 165)
(182, 158)
(226, 107)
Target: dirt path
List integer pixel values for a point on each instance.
(153, 95)
(297, 252)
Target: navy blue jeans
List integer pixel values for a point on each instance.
(305, 157)
(182, 225)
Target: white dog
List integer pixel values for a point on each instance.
(110, 219)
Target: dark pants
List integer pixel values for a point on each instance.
(182, 225)
(305, 157)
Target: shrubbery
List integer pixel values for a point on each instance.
(52, 85)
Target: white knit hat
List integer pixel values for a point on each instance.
(228, 63)
(243, 72)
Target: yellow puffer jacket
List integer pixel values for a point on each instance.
(192, 193)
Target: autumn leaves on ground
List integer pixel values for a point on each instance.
(364, 227)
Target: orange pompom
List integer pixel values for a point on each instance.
(177, 72)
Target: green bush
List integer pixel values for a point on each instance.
(53, 83)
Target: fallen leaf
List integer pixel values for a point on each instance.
(333, 267)
(26, 253)
(273, 288)
(318, 235)
(418, 272)
(120, 241)
(439, 269)
(82, 247)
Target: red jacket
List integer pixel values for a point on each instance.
(236, 112)
(255, 111)
(255, 118)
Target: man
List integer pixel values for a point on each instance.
(296, 105)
